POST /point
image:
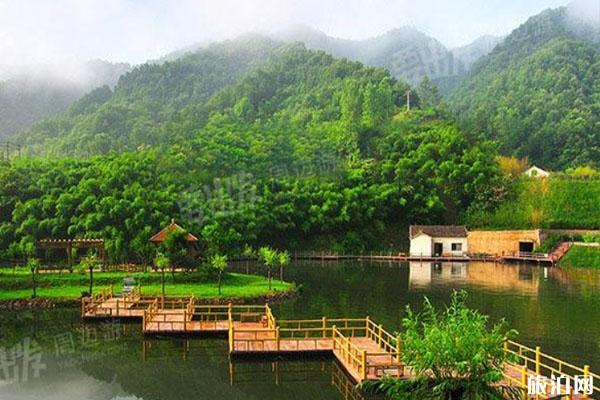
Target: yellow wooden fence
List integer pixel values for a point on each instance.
(532, 361)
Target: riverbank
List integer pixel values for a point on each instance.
(582, 257)
(66, 289)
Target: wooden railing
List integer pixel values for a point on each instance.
(310, 328)
(387, 361)
(385, 340)
(93, 302)
(350, 353)
(529, 361)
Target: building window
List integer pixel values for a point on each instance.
(456, 246)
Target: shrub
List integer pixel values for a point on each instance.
(452, 354)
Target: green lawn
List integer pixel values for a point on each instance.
(581, 256)
(70, 286)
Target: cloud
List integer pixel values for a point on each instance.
(61, 31)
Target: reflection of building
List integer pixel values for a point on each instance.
(438, 240)
(501, 277)
(505, 277)
(422, 274)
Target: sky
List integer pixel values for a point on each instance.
(59, 31)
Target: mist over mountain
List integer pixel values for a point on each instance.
(406, 52)
(536, 93)
(472, 52)
(31, 93)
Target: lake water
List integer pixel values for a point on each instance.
(60, 358)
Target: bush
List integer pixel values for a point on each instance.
(583, 171)
(452, 354)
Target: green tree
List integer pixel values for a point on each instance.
(452, 354)
(249, 253)
(269, 258)
(33, 264)
(428, 93)
(283, 259)
(89, 262)
(162, 262)
(175, 248)
(219, 263)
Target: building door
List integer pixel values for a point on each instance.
(438, 249)
(525, 247)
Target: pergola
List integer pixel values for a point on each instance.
(69, 244)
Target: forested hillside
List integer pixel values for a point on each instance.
(537, 93)
(145, 102)
(33, 94)
(292, 147)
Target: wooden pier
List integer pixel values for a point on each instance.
(534, 258)
(363, 348)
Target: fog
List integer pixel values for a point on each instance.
(587, 10)
(67, 32)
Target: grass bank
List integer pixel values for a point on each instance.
(558, 203)
(582, 257)
(16, 285)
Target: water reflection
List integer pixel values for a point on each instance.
(557, 309)
(523, 279)
(264, 372)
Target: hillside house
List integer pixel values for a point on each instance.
(536, 172)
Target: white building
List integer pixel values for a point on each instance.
(438, 240)
(536, 172)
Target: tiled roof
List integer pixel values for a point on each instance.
(162, 235)
(444, 231)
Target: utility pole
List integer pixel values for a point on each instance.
(408, 100)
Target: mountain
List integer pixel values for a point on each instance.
(536, 93)
(144, 102)
(248, 142)
(31, 93)
(406, 52)
(472, 52)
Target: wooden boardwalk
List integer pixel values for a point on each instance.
(363, 349)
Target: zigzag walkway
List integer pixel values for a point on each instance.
(363, 348)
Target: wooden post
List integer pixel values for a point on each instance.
(277, 338)
(364, 365)
(231, 337)
(380, 339)
(367, 320)
(324, 327)
(537, 360)
(117, 307)
(398, 348)
(348, 351)
(333, 329)
(185, 314)
(586, 374)
(524, 381)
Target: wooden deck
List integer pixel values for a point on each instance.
(362, 348)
